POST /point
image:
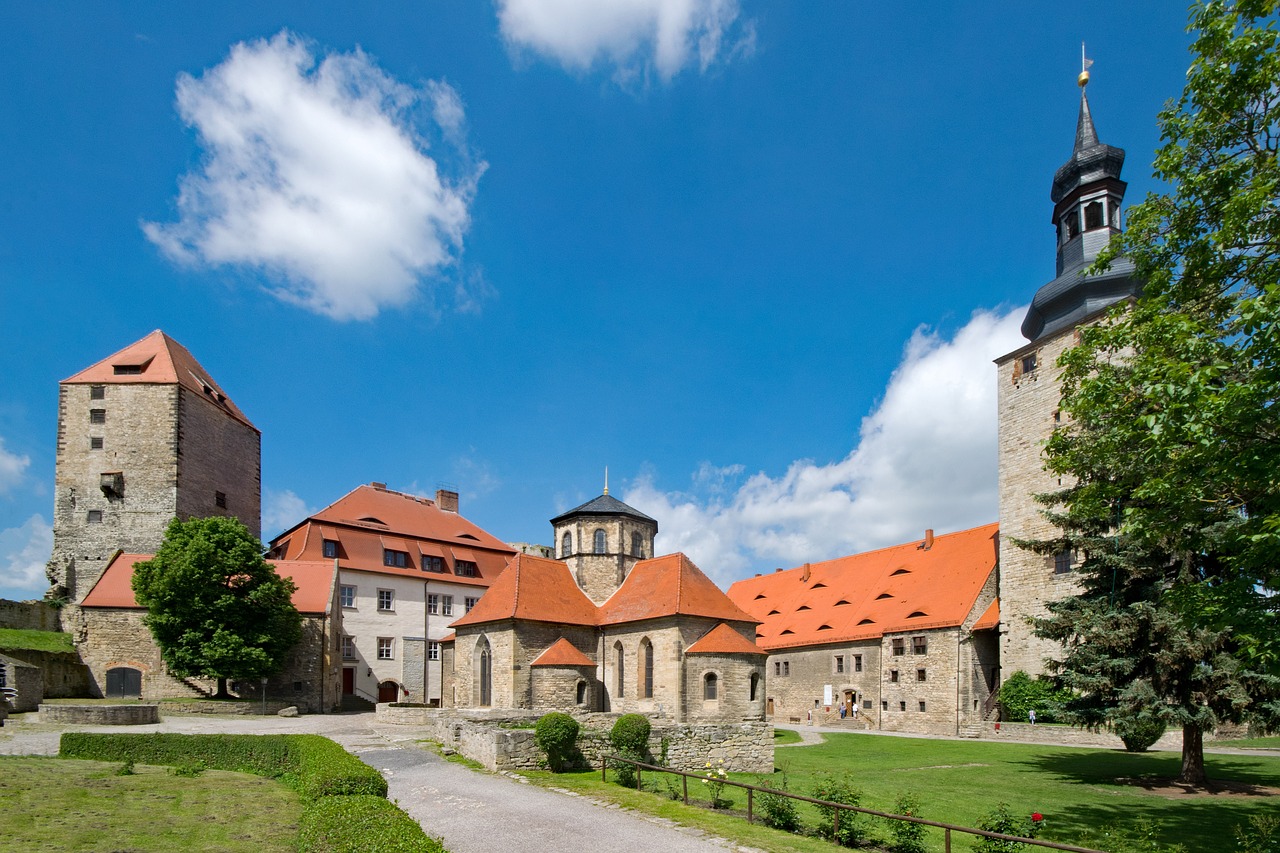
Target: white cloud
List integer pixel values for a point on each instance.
(925, 458)
(632, 35)
(282, 510)
(316, 173)
(24, 551)
(12, 467)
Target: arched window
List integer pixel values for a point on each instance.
(637, 545)
(600, 541)
(1073, 222)
(710, 685)
(566, 544)
(1093, 215)
(646, 663)
(486, 673)
(619, 674)
(755, 684)
(582, 693)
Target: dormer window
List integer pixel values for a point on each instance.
(329, 549)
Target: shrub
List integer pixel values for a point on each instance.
(125, 769)
(189, 769)
(1139, 733)
(776, 810)
(310, 764)
(360, 823)
(1021, 694)
(1002, 820)
(907, 837)
(1138, 837)
(1262, 835)
(630, 735)
(555, 734)
(839, 790)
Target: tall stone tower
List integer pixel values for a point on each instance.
(144, 436)
(601, 541)
(1087, 194)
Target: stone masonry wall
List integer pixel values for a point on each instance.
(217, 453)
(555, 688)
(796, 677)
(744, 747)
(918, 691)
(1026, 410)
(63, 675)
(734, 699)
(30, 615)
(600, 575)
(139, 439)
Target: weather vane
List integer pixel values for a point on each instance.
(1083, 79)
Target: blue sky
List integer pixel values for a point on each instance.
(754, 258)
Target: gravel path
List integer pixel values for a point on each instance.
(474, 812)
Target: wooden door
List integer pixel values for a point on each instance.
(348, 680)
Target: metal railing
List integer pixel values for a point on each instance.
(947, 828)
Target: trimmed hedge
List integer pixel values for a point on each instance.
(312, 765)
(361, 824)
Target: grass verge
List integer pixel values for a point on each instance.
(17, 639)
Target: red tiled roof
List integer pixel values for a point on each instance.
(666, 586)
(369, 519)
(723, 640)
(563, 653)
(901, 588)
(314, 580)
(159, 360)
(535, 588)
(990, 619)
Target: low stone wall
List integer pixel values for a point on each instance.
(493, 739)
(247, 708)
(64, 676)
(100, 715)
(1171, 740)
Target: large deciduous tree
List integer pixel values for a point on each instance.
(1170, 455)
(215, 607)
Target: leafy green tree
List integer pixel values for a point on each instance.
(1171, 452)
(215, 607)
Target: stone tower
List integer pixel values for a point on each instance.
(1087, 194)
(144, 436)
(601, 541)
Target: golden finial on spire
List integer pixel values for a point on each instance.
(1083, 79)
(606, 479)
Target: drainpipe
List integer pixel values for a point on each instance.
(426, 643)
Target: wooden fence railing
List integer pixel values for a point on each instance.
(947, 828)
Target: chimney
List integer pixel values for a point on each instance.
(382, 486)
(447, 500)
(928, 539)
(804, 576)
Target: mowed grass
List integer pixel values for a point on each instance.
(36, 641)
(1077, 790)
(54, 805)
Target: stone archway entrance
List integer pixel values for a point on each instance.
(388, 691)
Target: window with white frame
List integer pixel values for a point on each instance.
(386, 600)
(386, 648)
(471, 602)
(399, 559)
(446, 605)
(433, 603)
(433, 650)
(431, 563)
(347, 596)
(466, 569)
(348, 648)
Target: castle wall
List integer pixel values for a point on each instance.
(216, 454)
(30, 615)
(1026, 406)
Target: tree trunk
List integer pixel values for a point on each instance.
(222, 690)
(1193, 758)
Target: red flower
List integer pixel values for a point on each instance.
(1037, 817)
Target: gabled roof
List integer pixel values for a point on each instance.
(989, 619)
(371, 519)
(864, 596)
(157, 359)
(603, 505)
(563, 653)
(314, 580)
(723, 640)
(666, 586)
(534, 588)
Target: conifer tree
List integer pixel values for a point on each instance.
(1170, 453)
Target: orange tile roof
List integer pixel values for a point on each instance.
(723, 640)
(370, 518)
(314, 580)
(535, 588)
(563, 653)
(863, 596)
(666, 586)
(990, 619)
(158, 360)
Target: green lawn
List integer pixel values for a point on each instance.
(959, 781)
(18, 639)
(1247, 743)
(55, 805)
